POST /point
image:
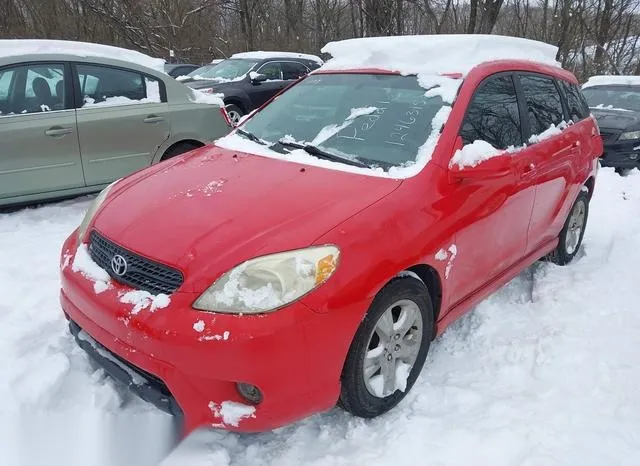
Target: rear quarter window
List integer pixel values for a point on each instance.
(576, 103)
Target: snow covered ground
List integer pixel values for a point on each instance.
(544, 372)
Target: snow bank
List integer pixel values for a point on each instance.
(261, 55)
(434, 54)
(602, 80)
(17, 47)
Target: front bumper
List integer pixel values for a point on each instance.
(162, 358)
(621, 155)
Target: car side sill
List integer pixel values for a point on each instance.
(491, 286)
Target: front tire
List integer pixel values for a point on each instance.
(572, 232)
(389, 349)
(235, 113)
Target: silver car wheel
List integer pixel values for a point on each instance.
(393, 348)
(576, 225)
(234, 116)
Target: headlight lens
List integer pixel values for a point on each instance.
(93, 208)
(267, 283)
(630, 135)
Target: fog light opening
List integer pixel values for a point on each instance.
(249, 392)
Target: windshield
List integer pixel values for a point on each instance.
(381, 120)
(227, 70)
(614, 97)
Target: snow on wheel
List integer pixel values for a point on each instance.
(389, 349)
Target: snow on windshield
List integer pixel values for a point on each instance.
(390, 126)
(18, 47)
(231, 70)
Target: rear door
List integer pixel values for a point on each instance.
(495, 212)
(555, 154)
(122, 120)
(38, 135)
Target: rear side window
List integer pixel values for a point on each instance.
(544, 105)
(103, 85)
(493, 114)
(577, 108)
(272, 70)
(292, 70)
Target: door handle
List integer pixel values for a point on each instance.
(153, 119)
(55, 131)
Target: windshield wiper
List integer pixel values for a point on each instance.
(321, 154)
(251, 136)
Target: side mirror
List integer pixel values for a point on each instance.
(496, 166)
(257, 78)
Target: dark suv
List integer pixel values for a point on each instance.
(249, 79)
(615, 102)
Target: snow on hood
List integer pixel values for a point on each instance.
(261, 55)
(16, 47)
(434, 54)
(231, 206)
(602, 80)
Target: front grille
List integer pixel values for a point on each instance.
(608, 136)
(141, 273)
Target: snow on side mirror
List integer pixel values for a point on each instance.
(257, 77)
(479, 161)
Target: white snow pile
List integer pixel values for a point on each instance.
(199, 326)
(261, 55)
(116, 101)
(434, 54)
(83, 263)
(473, 154)
(144, 300)
(231, 412)
(18, 47)
(200, 97)
(613, 80)
(611, 107)
(551, 131)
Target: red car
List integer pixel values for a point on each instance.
(309, 258)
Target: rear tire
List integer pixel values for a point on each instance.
(178, 149)
(393, 339)
(572, 232)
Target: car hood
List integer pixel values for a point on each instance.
(616, 119)
(211, 209)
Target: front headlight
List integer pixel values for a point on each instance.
(93, 208)
(630, 135)
(267, 283)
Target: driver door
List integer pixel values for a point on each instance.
(264, 90)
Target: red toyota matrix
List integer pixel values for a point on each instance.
(310, 257)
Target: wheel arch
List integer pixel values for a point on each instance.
(430, 277)
(590, 184)
(193, 143)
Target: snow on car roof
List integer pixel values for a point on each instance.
(434, 54)
(602, 80)
(17, 47)
(261, 55)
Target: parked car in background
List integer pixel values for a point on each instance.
(179, 69)
(73, 119)
(615, 102)
(317, 250)
(247, 80)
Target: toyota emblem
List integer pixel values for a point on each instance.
(119, 265)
